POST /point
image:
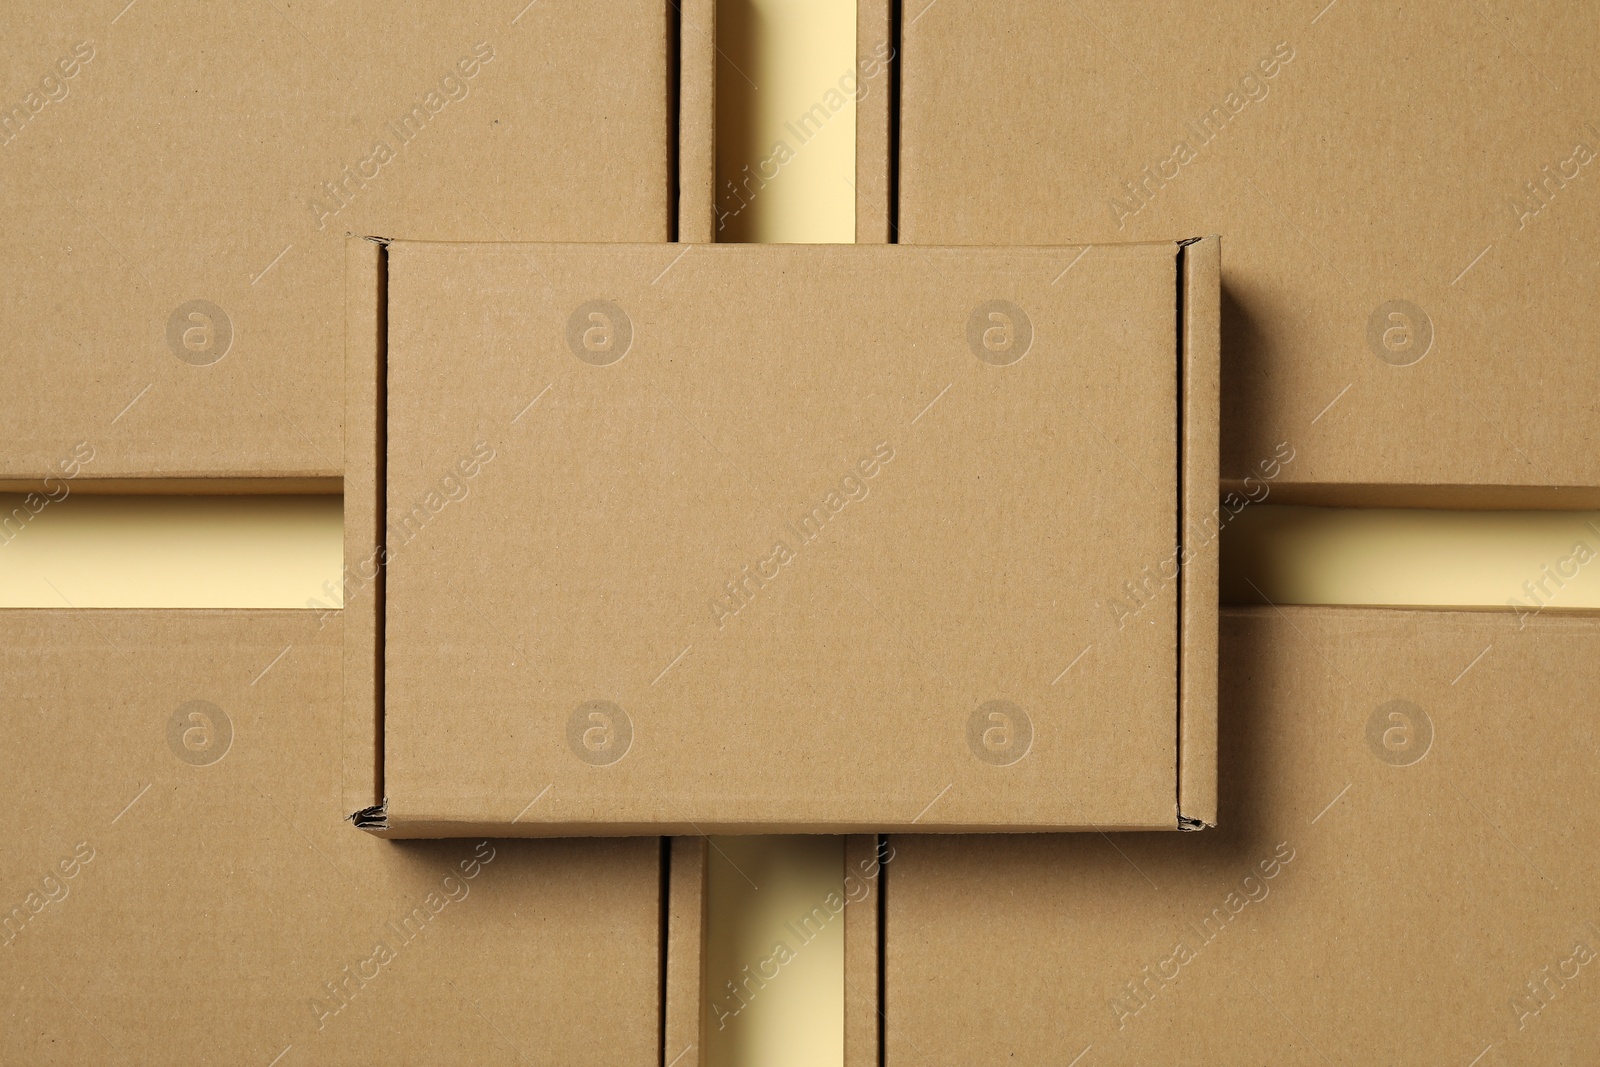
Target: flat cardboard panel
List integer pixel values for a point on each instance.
(560, 531)
(1407, 300)
(172, 248)
(181, 884)
(1402, 873)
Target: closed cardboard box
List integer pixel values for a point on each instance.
(1407, 193)
(741, 539)
(1402, 872)
(180, 178)
(181, 886)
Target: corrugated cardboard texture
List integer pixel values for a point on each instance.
(1405, 191)
(590, 627)
(362, 575)
(863, 880)
(1404, 872)
(181, 887)
(180, 177)
(875, 56)
(697, 121)
(1200, 551)
(684, 995)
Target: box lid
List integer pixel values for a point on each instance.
(747, 538)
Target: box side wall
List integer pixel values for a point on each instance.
(684, 995)
(864, 875)
(1200, 560)
(697, 130)
(875, 58)
(362, 743)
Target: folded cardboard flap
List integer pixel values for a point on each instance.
(597, 613)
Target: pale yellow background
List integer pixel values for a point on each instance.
(779, 58)
(759, 889)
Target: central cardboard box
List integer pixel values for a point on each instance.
(691, 539)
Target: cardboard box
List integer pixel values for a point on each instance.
(1402, 874)
(180, 885)
(758, 538)
(180, 178)
(1405, 192)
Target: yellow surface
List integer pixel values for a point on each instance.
(775, 952)
(786, 121)
(90, 551)
(1386, 556)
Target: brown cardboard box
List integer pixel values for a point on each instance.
(180, 178)
(1403, 872)
(1406, 191)
(181, 886)
(749, 538)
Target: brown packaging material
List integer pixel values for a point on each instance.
(1405, 191)
(1403, 872)
(180, 178)
(744, 538)
(181, 887)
